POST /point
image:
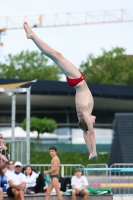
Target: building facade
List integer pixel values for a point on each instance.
(55, 99)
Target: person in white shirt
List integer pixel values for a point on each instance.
(31, 178)
(79, 183)
(9, 171)
(17, 183)
(34, 181)
(10, 168)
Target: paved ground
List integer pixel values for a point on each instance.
(115, 197)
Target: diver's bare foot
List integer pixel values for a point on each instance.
(29, 33)
(93, 156)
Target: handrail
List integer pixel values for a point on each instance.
(108, 169)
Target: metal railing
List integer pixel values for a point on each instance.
(95, 178)
(119, 176)
(18, 152)
(121, 182)
(66, 170)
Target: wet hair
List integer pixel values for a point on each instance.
(30, 168)
(1, 168)
(53, 148)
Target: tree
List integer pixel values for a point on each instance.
(40, 125)
(112, 67)
(29, 65)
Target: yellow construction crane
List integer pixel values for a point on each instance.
(67, 19)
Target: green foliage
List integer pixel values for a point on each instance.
(67, 158)
(29, 65)
(35, 124)
(48, 125)
(112, 67)
(40, 125)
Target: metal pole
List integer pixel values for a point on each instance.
(13, 125)
(28, 124)
(62, 170)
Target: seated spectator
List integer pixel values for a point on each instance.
(10, 170)
(34, 181)
(31, 177)
(3, 153)
(33, 169)
(3, 179)
(17, 182)
(79, 183)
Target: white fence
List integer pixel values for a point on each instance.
(66, 170)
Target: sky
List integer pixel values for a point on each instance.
(75, 42)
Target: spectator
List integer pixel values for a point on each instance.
(10, 167)
(17, 182)
(9, 171)
(31, 177)
(3, 149)
(3, 179)
(79, 184)
(34, 181)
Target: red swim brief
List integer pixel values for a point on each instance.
(74, 81)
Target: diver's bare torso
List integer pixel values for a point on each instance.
(83, 100)
(57, 161)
